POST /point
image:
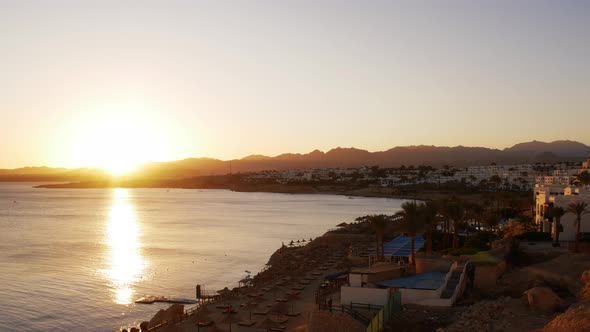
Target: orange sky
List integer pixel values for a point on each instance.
(111, 84)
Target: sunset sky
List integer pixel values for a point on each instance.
(86, 81)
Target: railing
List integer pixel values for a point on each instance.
(365, 306)
(460, 285)
(155, 327)
(346, 310)
(393, 305)
(447, 277)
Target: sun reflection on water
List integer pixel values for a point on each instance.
(125, 261)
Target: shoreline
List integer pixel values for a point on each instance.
(278, 276)
(367, 192)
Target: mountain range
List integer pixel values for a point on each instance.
(437, 156)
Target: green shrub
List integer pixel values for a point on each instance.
(481, 240)
(461, 251)
(515, 255)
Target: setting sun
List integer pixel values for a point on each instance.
(119, 143)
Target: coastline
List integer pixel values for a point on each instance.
(368, 191)
(301, 267)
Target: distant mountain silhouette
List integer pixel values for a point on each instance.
(530, 152)
(559, 148)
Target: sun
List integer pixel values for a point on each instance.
(118, 143)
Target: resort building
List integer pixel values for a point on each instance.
(560, 196)
(440, 286)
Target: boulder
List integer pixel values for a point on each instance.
(544, 299)
(144, 326)
(134, 329)
(585, 291)
(575, 319)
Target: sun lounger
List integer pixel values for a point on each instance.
(247, 323)
(261, 312)
(277, 329)
(205, 323)
(293, 314)
(299, 288)
(282, 321)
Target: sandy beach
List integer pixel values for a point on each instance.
(282, 297)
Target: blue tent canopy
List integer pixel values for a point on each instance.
(335, 275)
(401, 246)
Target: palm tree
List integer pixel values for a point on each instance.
(455, 211)
(410, 222)
(428, 212)
(582, 178)
(379, 224)
(557, 212)
(492, 220)
(579, 209)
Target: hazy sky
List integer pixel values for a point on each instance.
(227, 79)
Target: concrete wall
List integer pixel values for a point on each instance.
(570, 228)
(418, 296)
(432, 264)
(355, 280)
(386, 275)
(364, 295)
(487, 275)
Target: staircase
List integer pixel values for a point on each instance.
(452, 283)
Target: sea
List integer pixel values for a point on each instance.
(77, 259)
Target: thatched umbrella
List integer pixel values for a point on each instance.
(267, 324)
(292, 297)
(279, 308)
(202, 319)
(230, 318)
(250, 306)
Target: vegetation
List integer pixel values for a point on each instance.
(578, 209)
(410, 220)
(378, 223)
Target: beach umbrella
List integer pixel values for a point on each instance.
(230, 319)
(202, 319)
(279, 308)
(292, 297)
(250, 306)
(342, 224)
(267, 324)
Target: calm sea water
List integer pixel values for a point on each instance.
(76, 259)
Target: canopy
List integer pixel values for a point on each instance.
(401, 246)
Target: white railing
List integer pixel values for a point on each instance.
(460, 286)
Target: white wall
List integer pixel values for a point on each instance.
(355, 280)
(366, 295)
(417, 296)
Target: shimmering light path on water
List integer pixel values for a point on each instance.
(76, 259)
